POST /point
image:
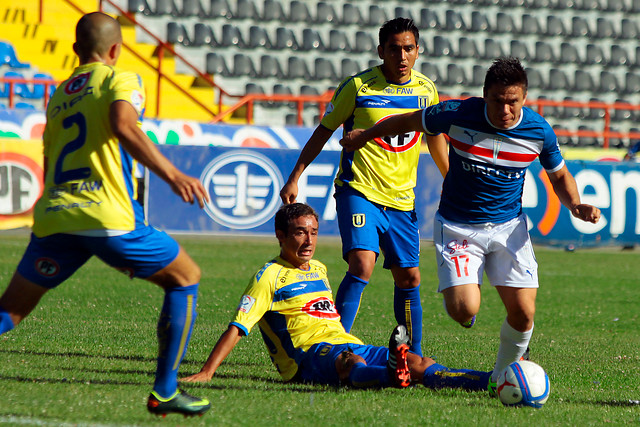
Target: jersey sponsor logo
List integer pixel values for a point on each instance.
(137, 100)
(47, 267)
(322, 308)
(20, 183)
(246, 303)
(63, 206)
(454, 246)
(358, 220)
(490, 171)
(244, 189)
(74, 188)
(398, 143)
(325, 350)
(329, 109)
(77, 83)
(379, 103)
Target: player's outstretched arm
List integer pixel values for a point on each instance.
(564, 185)
(393, 125)
(124, 122)
(439, 152)
(223, 347)
(309, 152)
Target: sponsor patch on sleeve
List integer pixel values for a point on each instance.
(246, 303)
(136, 100)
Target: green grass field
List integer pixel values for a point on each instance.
(86, 355)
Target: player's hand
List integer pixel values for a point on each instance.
(586, 213)
(190, 189)
(200, 377)
(352, 140)
(289, 193)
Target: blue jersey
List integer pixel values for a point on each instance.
(487, 165)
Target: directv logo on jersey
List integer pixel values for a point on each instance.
(244, 189)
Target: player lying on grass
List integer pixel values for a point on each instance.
(291, 301)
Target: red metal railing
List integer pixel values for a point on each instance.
(9, 83)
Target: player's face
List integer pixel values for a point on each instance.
(398, 55)
(504, 104)
(299, 244)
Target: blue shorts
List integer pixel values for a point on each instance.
(319, 362)
(372, 227)
(49, 261)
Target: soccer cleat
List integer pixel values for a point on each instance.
(179, 403)
(525, 356)
(492, 387)
(397, 363)
(469, 323)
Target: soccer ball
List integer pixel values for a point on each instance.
(523, 383)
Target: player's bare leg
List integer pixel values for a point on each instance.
(462, 302)
(18, 300)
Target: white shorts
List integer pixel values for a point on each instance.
(465, 251)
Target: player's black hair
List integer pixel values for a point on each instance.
(506, 71)
(397, 26)
(288, 213)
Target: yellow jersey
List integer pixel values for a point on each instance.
(89, 182)
(294, 310)
(385, 169)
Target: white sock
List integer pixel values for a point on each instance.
(513, 344)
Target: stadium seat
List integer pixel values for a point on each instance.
(618, 56)
(203, 35)
(631, 83)
(338, 41)
(605, 29)
(281, 89)
(582, 81)
(594, 113)
(177, 34)
(544, 52)
(254, 88)
(558, 80)
(351, 15)
(377, 16)
(160, 7)
(402, 12)
(520, 50)
(587, 141)
(297, 69)
(628, 29)
(479, 22)
(569, 54)
(430, 70)
(324, 70)
(216, 64)
(429, 19)
(284, 39)
(634, 6)
(309, 90)
(504, 24)
(243, 66)
(529, 25)
(299, 12)
(572, 112)
(536, 81)
(136, 6)
(364, 42)
(608, 82)
(231, 36)
(594, 55)
(614, 6)
(311, 40)
(441, 47)
(622, 114)
(580, 27)
(258, 37)
(555, 26)
(272, 11)
(467, 48)
(188, 8)
(246, 9)
(589, 4)
(218, 9)
(492, 49)
(325, 13)
(349, 67)
(453, 21)
(478, 73)
(563, 4)
(8, 56)
(270, 67)
(455, 75)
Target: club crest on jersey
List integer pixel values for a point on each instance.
(358, 220)
(47, 267)
(423, 102)
(322, 308)
(246, 303)
(77, 83)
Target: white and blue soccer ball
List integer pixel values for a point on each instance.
(523, 383)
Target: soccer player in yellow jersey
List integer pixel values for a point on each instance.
(374, 186)
(92, 140)
(290, 299)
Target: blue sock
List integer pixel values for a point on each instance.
(408, 311)
(438, 376)
(6, 324)
(363, 376)
(174, 331)
(348, 299)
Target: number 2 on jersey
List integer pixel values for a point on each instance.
(459, 260)
(61, 176)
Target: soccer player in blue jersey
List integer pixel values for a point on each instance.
(291, 301)
(480, 225)
(374, 194)
(92, 140)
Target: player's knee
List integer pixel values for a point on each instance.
(361, 263)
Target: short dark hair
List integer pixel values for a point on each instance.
(506, 71)
(288, 213)
(397, 26)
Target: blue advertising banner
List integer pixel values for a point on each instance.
(244, 186)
